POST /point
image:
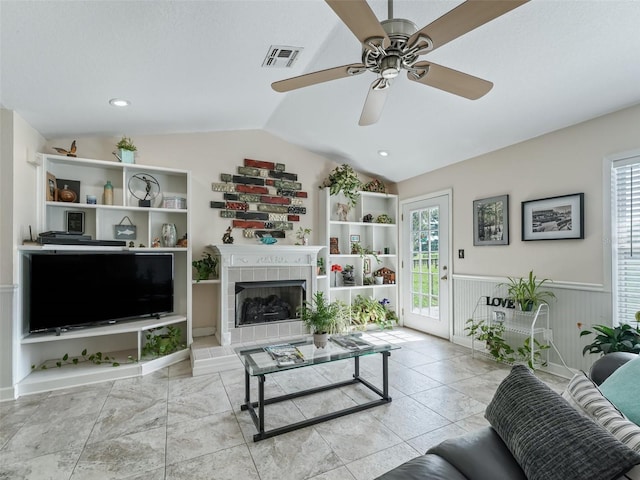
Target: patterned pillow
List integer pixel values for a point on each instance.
(548, 438)
(586, 397)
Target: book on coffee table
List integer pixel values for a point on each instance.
(285, 354)
(352, 342)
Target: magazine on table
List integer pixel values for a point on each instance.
(285, 354)
(352, 342)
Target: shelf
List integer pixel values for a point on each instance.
(127, 326)
(206, 282)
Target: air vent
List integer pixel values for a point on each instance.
(280, 56)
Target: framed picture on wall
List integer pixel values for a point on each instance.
(553, 218)
(491, 221)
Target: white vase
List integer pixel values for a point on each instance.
(379, 280)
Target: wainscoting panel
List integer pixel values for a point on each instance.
(8, 294)
(575, 303)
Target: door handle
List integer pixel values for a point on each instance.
(444, 277)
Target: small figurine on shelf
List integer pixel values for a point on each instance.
(227, 238)
(131, 244)
(183, 242)
(156, 243)
(343, 211)
(69, 153)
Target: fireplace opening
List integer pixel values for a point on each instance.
(268, 301)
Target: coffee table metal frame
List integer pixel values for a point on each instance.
(256, 408)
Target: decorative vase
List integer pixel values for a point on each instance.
(67, 195)
(169, 235)
(320, 340)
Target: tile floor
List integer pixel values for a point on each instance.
(170, 425)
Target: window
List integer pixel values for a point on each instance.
(625, 203)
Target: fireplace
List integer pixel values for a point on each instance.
(268, 301)
(263, 267)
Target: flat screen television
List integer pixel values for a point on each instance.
(69, 290)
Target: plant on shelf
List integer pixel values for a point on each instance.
(527, 292)
(344, 179)
(622, 338)
(126, 144)
(159, 344)
(323, 318)
(206, 267)
(524, 353)
(493, 336)
(320, 264)
(368, 310)
(302, 236)
(384, 218)
(357, 249)
(96, 358)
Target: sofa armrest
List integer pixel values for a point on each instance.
(424, 467)
(480, 455)
(607, 364)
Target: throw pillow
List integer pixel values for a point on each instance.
(585, 396)
(549, 439)
(622, 388)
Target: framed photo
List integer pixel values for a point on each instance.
(491, 221)
(75, 221)
(553, 218)
(51, 188)
(355, 238)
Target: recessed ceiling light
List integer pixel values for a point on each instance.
(383, 153)
(119, 102)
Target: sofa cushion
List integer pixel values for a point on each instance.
(584, 395)
(481, 447)
(549, 439)
(423, 467)
(622, 388)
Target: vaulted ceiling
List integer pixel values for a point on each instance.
(195, 66)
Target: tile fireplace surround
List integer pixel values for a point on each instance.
(249, 263)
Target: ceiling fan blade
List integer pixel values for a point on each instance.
(464, 18)
(318, 77)
(374, 104)
(358, 16)
(450, 80)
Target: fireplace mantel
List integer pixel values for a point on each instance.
(260, 262)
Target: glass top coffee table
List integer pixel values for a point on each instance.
(260, 361)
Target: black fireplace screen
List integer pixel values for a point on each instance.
(268, 301)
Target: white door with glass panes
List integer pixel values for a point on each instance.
(425, 258)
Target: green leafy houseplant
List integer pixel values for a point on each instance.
(357, 249)
(159, 344)
(126, 144)
(206, 267)
(321, 316)
(366, 310)
(527, 292)
(623, 338)
(96, 358)
(344, 179)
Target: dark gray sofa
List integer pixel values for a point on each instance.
(537, 424)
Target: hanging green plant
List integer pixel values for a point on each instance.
(344, 179)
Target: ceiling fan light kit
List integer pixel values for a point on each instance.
(396, 44)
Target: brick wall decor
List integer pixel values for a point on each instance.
(262, 197)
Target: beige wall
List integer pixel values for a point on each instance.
(563, 162)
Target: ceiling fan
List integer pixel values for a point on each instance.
(396, 44)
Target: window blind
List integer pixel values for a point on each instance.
(625, 203)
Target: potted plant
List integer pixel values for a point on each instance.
(378, 277)
(527, 293)
(344, 179)
(206, 267)
(623, 338)
(165, 343)
(302, 236)
(320, 265)
(323, 318)
(493, 336)
(126, 150)
(368, 310)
